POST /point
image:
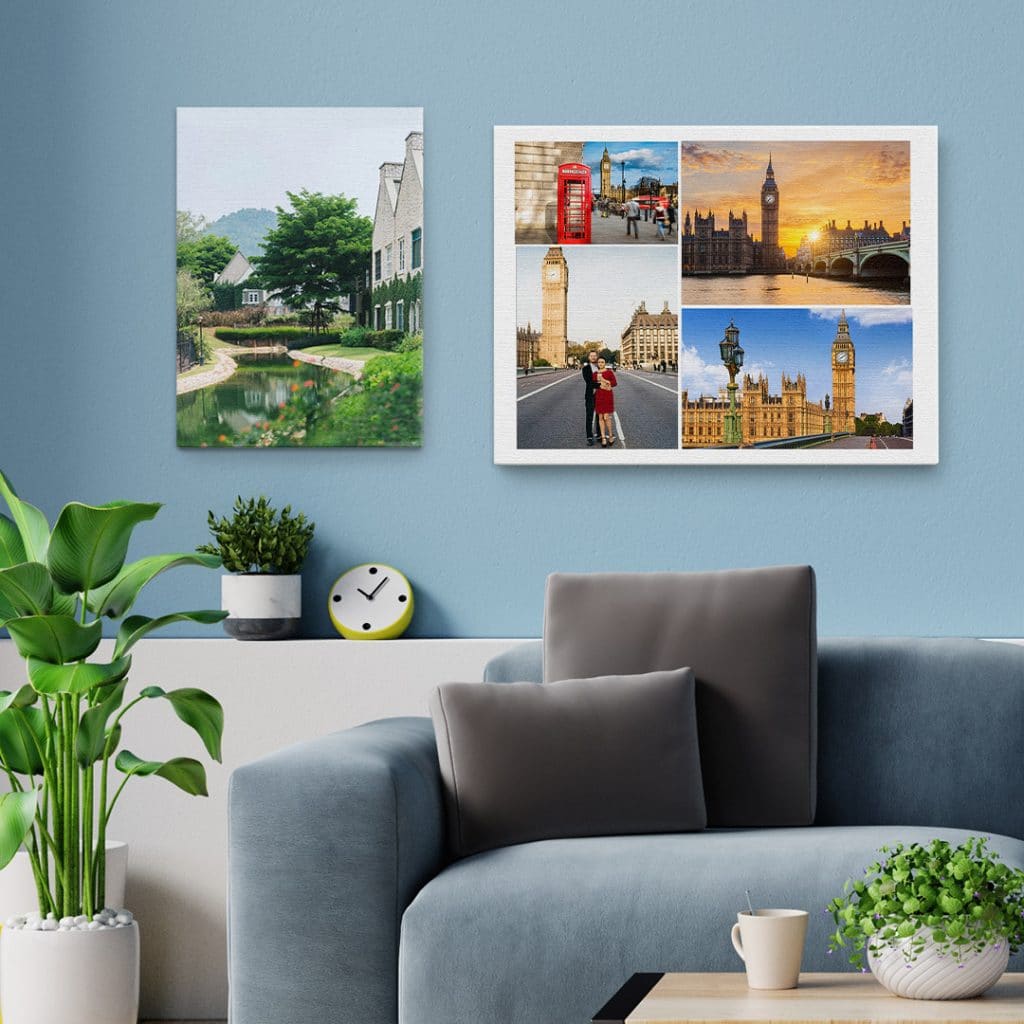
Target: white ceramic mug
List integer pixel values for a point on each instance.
(771, 944)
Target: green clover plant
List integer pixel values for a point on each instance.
(962, 897)
(61, 730)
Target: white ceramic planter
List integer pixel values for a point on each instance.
(85, 977)
(936, 975)
(261, 606)
(18, 890)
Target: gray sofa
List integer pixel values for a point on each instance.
(344, 907)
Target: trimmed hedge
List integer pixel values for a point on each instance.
(300, 337)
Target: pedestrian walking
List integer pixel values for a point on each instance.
(660, 223)
(671, 217)
(633, 218)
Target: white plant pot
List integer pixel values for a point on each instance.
(18, 888)
(56, 977)
(261, 606)
(938, 975)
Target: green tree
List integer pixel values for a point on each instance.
(190, 226)
(192, 298)
(206, 256)
(316, 252)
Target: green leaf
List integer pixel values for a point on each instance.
(17, 812)
(120, 593)
(89, 543)
(92, 730)
(54, 638)
(27, 589)
(78, 678)
(22, 698)
(135, 627)
(12, 547)
(184, 772)
(32, 525)
(197, 709)
(22, 734)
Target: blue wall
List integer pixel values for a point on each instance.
(86, 275)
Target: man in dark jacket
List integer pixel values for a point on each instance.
(589, 370)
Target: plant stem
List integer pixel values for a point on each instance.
(88, 904)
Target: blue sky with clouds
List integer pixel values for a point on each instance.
(791, 340)
(653, 159)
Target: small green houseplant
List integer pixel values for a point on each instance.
(60, 732)
(266, 551)
(937, 901)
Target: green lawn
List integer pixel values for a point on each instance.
(341, 352)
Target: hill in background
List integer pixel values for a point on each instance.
(246, 228)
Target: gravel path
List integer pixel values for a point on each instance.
(350, 366)
(223, 367)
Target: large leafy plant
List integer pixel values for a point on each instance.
(256, 539)
(962, 897)
(60, 732)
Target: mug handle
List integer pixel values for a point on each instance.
(736, 944)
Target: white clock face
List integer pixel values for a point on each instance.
(842, 357)
(370, 598)
(769, 198)
(552, 273)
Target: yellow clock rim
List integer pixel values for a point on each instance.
(389, 632)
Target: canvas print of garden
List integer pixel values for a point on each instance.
(299, 277)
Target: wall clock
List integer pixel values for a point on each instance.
(371, 602)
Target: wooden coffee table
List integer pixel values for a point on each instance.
(824, 998)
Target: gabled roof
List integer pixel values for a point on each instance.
(238, 270)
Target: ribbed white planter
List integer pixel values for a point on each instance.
(936, 975)
(84, 977)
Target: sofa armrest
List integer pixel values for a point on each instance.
(329, 842)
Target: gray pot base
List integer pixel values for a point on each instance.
(261, 629)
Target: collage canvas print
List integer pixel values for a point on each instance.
(299, 277)
(715, 295)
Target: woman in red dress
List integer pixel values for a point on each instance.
(604, 402)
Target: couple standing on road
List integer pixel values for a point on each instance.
(598, 398)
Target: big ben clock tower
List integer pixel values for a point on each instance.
(606, 175)
(554, 290)
(844, 392)
(770, 219)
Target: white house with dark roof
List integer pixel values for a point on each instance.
(237, 272)
(398, 236)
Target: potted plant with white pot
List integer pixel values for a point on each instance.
(265, 551)
(936, 921)
(76, 957)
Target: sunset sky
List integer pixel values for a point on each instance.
(818, 181)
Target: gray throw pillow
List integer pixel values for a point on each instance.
(748, 634)
(583, 757)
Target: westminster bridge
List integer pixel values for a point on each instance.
(875, 260)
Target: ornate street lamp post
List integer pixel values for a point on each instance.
(199, 320)
(732, 358)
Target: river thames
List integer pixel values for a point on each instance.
(790, 290)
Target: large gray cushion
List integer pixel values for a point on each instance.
(546, 932)
(577, 758)
(749, 636)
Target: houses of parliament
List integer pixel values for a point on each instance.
(732, 250)
(768, 417)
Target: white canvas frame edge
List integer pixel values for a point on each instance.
(923, 141)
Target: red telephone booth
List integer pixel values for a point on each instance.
(574, 202)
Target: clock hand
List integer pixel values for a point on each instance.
(379, 585)
(369, 597)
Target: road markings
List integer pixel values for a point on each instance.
(618, 428)
(653, 383)
(522, 398)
